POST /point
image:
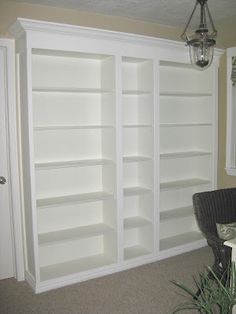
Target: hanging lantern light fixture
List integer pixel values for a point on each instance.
(201, 42)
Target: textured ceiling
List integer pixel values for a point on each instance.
(166, 12)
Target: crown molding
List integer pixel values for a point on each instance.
(23, 25)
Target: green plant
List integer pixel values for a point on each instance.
(218, 296)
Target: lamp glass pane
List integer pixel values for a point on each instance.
(201, 56)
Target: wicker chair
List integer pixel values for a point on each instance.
(216, 207)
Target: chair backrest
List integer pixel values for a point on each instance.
(213, 207)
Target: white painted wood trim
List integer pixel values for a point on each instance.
(156, 187)
(33, 31)
(32, 172)
(14, 183)
(119, 158)
(22, 25)
(231, 171)
(215, 128)
(107, 270)
(30, 279)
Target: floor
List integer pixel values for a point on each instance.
(142, 290)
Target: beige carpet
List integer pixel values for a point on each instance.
(143, 290)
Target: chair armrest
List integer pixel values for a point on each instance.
(214, 239)
(222, 253)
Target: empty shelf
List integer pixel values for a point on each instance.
(73, 233)
(70, 127)
(183, 183)
(181, 239)
(75, 198)
(71, 163)
(129, 126)
(184, 124)
(48, 89)
(137, 221)
(135, 251)
(136, 92)
(184, 154)
(73, 267)
(136, 158)
(184, 94)
(136, 190)
(176, 213)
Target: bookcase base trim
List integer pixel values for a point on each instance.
(31, 281)
(111, 269)
(231, 171)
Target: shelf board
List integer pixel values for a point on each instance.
(70, 127)
(71, 163)
(183, 183)
(172, 64)
(74, 266)
(171, 125)
(136, 190)
(136, 158)
(52, 89)
(136, 92)
(73, 233)
(135, 251)
(128, 126)
(181, 239)
(176, 213)
(68, 54)
(136, 221)
(184, 94)
(184, 154)
(75, 198)
(133, 60)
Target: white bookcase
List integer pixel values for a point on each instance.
(73, 99)
(117, 133)
(187, 151)
(138, 174)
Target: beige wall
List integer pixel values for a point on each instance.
(10, 10)
(223, 179)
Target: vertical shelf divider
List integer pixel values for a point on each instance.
(119, 154)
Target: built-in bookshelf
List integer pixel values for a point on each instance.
(114, 141)
(138, 176)
(73, 98)
(186, 149)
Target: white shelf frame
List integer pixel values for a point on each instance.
(72, 163)
(135, 222)
(74, 266)
(74, 198)
(70, 90)
(180, 240)
(176, 213)
(179, 184)
(194, 124)
(71, 127)
(137, 47)
(50, 238)
(184, 154)
(184, 94)
(136, 251)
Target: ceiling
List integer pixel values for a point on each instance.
(166, 12)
